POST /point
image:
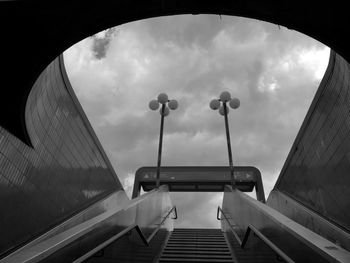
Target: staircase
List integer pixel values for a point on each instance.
(196, 245)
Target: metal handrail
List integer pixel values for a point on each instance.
(228, 222)
(145, 240)
(262, 237)
(174, 207)
(161, 223)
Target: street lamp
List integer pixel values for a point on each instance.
(164, 111)
(225, 97)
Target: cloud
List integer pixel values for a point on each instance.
(197, 210)
(128, 183)
(101, 42)
(193, 59)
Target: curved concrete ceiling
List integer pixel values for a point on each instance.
(36, 32)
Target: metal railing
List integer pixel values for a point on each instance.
(158, 227)
(262, 237)
(145, 240)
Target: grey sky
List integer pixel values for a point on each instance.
(273, 71)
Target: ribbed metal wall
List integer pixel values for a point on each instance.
(64, 172)
(317, 170)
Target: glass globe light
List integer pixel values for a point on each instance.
(162, 98)
(166, 111)
(235, 103)
(222, 112)
(214, 104)
(173, 104)
(225, 96)
(153, 104)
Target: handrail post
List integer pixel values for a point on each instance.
(175, 211)
(161, 223)
(217, 213)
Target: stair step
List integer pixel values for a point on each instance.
(196, 249)
(204, 237)
(196, 242)
(180, 260)
(196, 245)
(198, 239)
(197, 233)
(197, 229)
(196, 256)
(194, 235)
(197, 252)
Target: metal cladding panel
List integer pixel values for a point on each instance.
(64, 172)
(316, 172)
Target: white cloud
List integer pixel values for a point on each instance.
(194, 58)
(315, 60)
(128, 183)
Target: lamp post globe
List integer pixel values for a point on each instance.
(225, 96)
(166, 111)
(162, 98)
(173, 104)
(153, 104)
(222, 110)
(235, 103)
(214, 104)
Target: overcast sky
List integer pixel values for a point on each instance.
(274, 71)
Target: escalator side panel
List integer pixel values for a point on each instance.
(128, 250)
(301, 244)
(309, 219)
(147, 214)
(145, 211)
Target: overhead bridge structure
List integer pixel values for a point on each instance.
(62, 201)
(199, 179)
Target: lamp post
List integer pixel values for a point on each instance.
(221, 104)
(164, 111)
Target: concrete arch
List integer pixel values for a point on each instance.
(36, 32)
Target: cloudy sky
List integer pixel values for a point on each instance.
(274, 71)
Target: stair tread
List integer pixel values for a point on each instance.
(197, 252)
(196, 245)
(195, 242)
(195, 260)
(196, 249)
(197, 237)
(196, 256)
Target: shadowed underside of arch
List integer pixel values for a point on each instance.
(35, 32)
